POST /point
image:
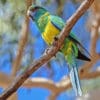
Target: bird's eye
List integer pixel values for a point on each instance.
(34, 9)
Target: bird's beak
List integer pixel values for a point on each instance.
(29, 13)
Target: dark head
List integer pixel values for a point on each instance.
(34, 12)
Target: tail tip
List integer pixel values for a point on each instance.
(79, 93)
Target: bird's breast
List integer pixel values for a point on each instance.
(49, 33)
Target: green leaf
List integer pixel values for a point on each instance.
(3, 1)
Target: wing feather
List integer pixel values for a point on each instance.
(59, 24)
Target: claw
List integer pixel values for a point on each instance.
(55, 39)
(46, 51)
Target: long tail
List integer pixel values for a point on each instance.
(74, 77)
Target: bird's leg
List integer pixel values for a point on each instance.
(55, 40)
(54, 44)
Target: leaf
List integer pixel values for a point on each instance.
(3, 1)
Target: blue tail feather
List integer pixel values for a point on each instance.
(75, 81)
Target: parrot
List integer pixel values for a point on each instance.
(50, 27)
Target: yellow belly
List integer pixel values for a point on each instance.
(50, 32)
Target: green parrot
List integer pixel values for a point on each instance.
(50, 26)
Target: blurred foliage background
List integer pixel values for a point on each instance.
(12, 17)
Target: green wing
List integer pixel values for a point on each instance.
(57, 22)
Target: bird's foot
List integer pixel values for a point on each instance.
(47, 50)
(55, 41)
(55, 38)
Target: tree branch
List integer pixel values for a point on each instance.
(5, 80)
(88, 65)
(53, 50)
(95, 24)
(22, 42)
(58, 87)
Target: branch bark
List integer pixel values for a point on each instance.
(56, 88)
(22, 42)
(95, 25)
(53, 50)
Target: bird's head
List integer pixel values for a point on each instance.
(34, 12)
